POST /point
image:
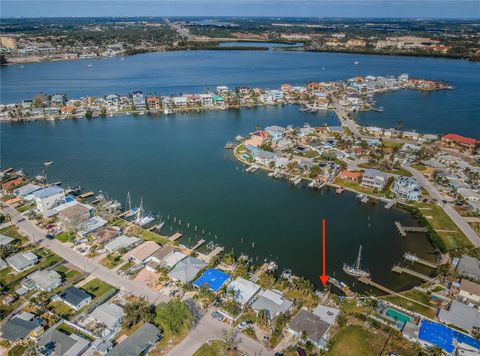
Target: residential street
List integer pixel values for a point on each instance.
(84, 263)
(211, 329)
(451, 212)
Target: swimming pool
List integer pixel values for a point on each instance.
(392, 313)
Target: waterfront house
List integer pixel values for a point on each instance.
(141, 253)
(112, 100)
(120, 242)
(153, 103)
(74, 216)
(213, 279)
(44, 280)
(469, 292)
(179, 101)
(172, 259)
(59, 343)
(407, 188)
(138, 99)
(12, 184)
(110, 315)
(374, 179)
(26, 189)
(57, 100)
(206, 100)
(273, 302)
(92, 225)
(460, 315)
(222, 90)
(156, 259)
(139, 342)
(276, 95)
(459, 141)
(243, 290)
(187, 269)
(68, 109)
(350, 175)
(47, 199)
(218, 100)
(74, 297)
(22, 261)
(264, 157)
(105, 234)
(312, 326)
(22, 326)
(276, 133)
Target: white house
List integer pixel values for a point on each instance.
(180, 101)
(375, 179)
(49, 198)
(206, 99)
(243, 290)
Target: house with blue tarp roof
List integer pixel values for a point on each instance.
(213, 278)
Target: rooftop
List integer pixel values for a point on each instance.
(137, 343)
(244, 290)
(74, 296)
(143, 251)
(272, 301)
(213, 278)
(461, 315)
(311, 324)
(47, 192)
(470, 287)
(187, 269)
(108, 314)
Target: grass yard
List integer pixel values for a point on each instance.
(60, 309)
(17, 350)
(97, 288)
(111, 260)
(355, 340)
(446, 229)
(415, 295)
(66, 237)
(212, 348)
(149, 235)
(12, 231)
(68, 274)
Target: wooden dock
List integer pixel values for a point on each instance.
(175, 236)
(199, 243)
(215, 252)
(402, 230)
(390, 204)
(263, 268)
(421, 276)
(419, 260)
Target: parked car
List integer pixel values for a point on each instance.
(301, 352)
(218, 316)
(50, 236)
(245, 324)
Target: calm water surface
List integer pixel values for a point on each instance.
(179, 166)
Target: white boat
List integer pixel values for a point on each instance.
(355, 270)
(48, 163)
(356, 62)
(167, 111)
(296, 180)
(238, 138)
(252, 169)
(131, 211)
(287, 274)
(142, 219)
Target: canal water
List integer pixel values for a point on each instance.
(194, 71)
(180, 168)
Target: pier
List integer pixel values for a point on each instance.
(413, 258)
(402, 230)
(175, 236)
(421, 276)
(215, 252)
(390, 204)
(199, 243)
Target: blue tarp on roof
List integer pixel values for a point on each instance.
(443, 336)
(213, 278)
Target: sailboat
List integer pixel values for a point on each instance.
(141, 219)
(355, 270)
(130, 212)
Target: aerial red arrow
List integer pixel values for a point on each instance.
(324, 277)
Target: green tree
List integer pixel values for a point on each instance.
(89, 113)
(174, 316)
(136, 311)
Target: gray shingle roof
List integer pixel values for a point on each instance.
(74, 296)
(460, 315)
(137, 343)
(311, 324)
(17, 328)
(273, 302)
(187, 269)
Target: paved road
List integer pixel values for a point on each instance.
(211, 329)
(449, 210)
(84, 263)
(345, 121)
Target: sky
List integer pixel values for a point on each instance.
(293, 8)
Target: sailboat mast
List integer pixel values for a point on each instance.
(357, 264)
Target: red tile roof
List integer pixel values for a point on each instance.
(459, 139)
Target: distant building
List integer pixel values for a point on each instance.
(276, 133)
(407, 188)
(460, 141)
(138, 100)
(374, 179)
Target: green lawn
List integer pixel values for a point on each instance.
(214, 348)
(61, 309)
(68, 274)
(66, 237)
(111, 261)
(446, 229)
(97, 287)
(17, 350)
(415, 295)
(12, 231)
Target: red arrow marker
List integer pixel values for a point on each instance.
(324, 277)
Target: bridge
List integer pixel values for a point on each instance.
(402, 230)
(421, 276)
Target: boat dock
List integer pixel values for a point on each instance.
(421, 276)
(390, 204)
(369, 282)
(215, 252)
(263, 268)
(402, 230)
(199, 243)
(413, 258)
(175, 236)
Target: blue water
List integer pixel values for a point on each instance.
(270, 45)
(194, 71)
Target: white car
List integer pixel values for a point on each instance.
(245, 324)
